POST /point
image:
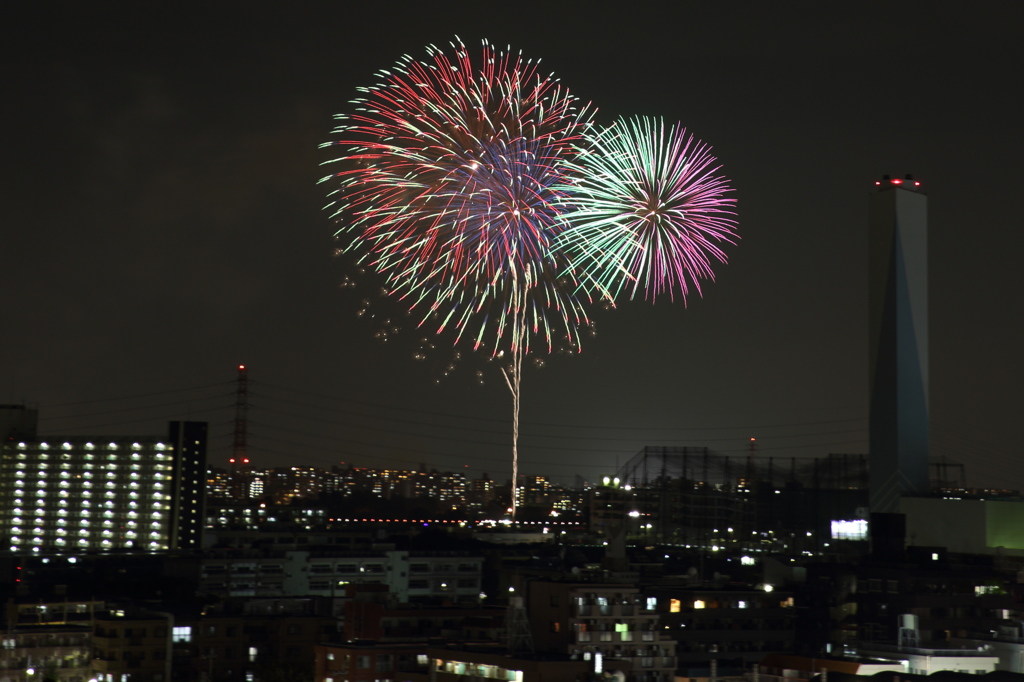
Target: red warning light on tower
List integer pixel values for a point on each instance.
(906, 182)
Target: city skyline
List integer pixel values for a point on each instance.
(168, 227)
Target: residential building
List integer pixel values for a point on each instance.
(76, 494)
(617, 621)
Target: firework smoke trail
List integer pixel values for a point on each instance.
(648, 211)
(449, 186)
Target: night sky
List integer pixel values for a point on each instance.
(161, 223)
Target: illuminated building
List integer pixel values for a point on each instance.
(613, 622)
(47, 652)
(132, 646)
(735, 627)
(899, 342)
(412, 577)
(76, 494)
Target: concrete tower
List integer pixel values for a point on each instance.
(899, 342)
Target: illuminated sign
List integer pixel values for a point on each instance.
(857, 529)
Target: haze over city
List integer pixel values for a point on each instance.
(163, 225)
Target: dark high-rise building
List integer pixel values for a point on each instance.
(899, 342)
(75, 494)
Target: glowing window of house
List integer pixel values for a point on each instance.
(673, 606)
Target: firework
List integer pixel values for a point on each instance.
(648, 211)
(449, 187)
(479, 191)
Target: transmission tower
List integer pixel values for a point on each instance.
(239, 456)
(517, 628)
